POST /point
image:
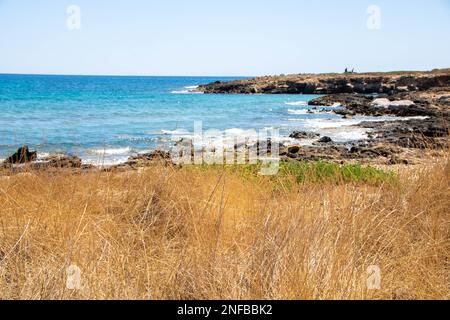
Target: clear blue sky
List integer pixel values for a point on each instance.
(233, 37)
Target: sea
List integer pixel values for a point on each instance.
(107, 119)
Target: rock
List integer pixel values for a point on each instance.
(403, 88)
(339, 100)
(325, 140)
(23, 155)
(372, 151)
(394, 106)
(58, 162)
(145, 159)
(294, 149)
(395, 160)
(399, 105)
(292, 155)
(303, 135)
(185, 142)
(382, 103)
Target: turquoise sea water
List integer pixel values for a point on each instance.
(114, 117)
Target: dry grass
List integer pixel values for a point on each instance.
(197, 233)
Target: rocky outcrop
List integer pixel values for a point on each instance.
(431, 133)
(59, 162)
(363, 151)
(23, 155)
(54, 162)
(364, 83)
(402, 105)
(144, 160)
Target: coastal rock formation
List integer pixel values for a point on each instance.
(364, 83)
(52, 162)
(422, 96)
(60, 161)
(403, 105)
(23, 155)
(143, 160)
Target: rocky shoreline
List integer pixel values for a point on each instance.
(361, 83)
(423, 97)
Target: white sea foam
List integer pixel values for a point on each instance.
(188, 90)
(174, 132)
(296, 103)
(184, 92)
(326, 123)
(299, 112)
(345, 134)
(338, 123)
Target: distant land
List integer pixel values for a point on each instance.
(330, 83)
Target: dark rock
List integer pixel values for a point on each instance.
(292, 155)
(23, 155)
(325, 140)
(58, 162)
(303, 135)
(294, 149)
(395, 160)
(146, 158)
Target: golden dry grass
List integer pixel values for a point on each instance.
(191, 233)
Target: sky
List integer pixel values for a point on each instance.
(222, 38)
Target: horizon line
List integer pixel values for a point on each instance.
(119, 75)
(208, 76)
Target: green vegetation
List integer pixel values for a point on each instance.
(316, 172)
(320, 172)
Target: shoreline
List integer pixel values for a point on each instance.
(416, 103)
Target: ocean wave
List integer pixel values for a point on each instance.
(187, 90)
(327, 123)
(339, 122)
(353, 134)
(296, 103)
(299, 112)
(176, 132)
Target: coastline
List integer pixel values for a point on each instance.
(401, 125)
